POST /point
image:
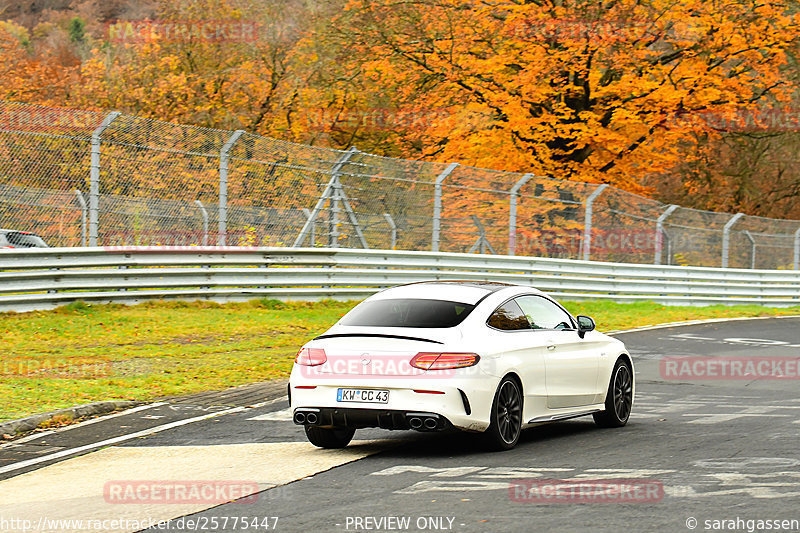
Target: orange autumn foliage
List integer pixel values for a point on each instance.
(572, 89)
(25, 77)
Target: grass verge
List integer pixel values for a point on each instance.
(79, 353)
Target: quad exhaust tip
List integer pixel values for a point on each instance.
(424, 421)
(306, 416)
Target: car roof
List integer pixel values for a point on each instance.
(463, 291)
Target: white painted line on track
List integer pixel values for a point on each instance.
(283, 398)
(82, 424)
(131, 436)
(284, 415)
(694, 323)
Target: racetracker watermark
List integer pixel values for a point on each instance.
(180, 492)
(31, 118)
(600, 28)
(215, 31)
(547, 491)
(389, 119)
(55, 368)
(184, 523)
(772, 119)
(729, 368)
(610, 241)
(423, 365)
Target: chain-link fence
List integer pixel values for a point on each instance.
(80, 178)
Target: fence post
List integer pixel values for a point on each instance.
(482, 243)
(333, 220)
(393, 227)
(726, 237)
(660, 232)
(84, 209)
(94, 177)
(309, 216)
(752, 248)
(587, 221)
(437, 204)
(204, 214)
(797, 249)
(331, 191)
(512, 213)
(223, 185)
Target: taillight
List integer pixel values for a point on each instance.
(311, 357)
(444, 361)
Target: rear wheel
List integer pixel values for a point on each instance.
(506, 422)
(337, 437)
(619, 398)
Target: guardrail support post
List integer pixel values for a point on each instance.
(660, 232)
(726, 237)
(437, 205)
(224, 156)
(204, 214)
(512, 213)
(94, 177)
(392, 227)
(587, 221)
(84, 215)
(797, 249)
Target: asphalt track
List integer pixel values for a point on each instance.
(719, 454)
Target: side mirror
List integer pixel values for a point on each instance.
(585, 323)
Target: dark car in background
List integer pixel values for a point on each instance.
(10, 238)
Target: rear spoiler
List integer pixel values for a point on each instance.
(380, 335)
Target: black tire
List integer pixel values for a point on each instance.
(329, 437)
(506, 421)
(619, 398)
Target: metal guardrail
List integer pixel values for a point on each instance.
(33, 279)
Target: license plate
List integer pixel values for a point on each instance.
(362, 395)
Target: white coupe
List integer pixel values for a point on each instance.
(488, 358)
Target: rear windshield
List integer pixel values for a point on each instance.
(408, 313)
(25, 240)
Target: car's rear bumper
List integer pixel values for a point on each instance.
(372, 417)
(463, 398)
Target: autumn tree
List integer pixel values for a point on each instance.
(24, 77)
(572, 89)
(214, 63)
(749, 169)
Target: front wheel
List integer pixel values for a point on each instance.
(337, 437)
(506, 422)
(619, 398)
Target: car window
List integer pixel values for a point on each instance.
(408, 313)
(508, 317)
(544, 314)
(25, 240)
